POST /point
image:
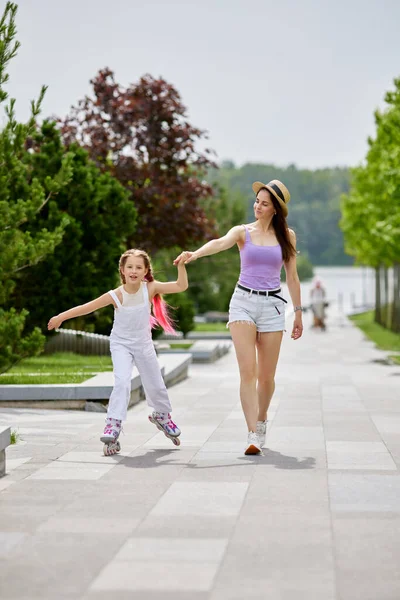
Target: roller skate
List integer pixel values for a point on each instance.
(110, 436)
(165, 424)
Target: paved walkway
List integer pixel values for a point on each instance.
(316, 517)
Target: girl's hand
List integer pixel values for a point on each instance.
(297, 326)
(54, 322)
(186, 257)
(179, 261)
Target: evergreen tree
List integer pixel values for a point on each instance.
(101, 218)
(22, 197)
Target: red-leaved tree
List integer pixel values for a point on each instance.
(140, 135)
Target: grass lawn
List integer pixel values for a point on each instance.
(62, 367)
(383, 338)
(210, 327)
(180, 345)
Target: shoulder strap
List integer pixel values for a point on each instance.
(115, 298)
(145, 292)
(247, 232)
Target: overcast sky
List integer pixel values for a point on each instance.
(277, 81)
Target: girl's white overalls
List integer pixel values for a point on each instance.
(131, 344)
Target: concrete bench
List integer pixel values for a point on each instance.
(78, 396)
(99, 388)
(92, 394)
(209, 335)
(201, 351)
(5, 440)
(176, 367)
(208, 350)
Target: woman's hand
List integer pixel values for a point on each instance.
(54, 322)
(297, 326)
(186, 257)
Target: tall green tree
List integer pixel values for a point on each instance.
(22, 197)
(101, 219)
(371, 210)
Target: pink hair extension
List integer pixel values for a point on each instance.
(161, 316)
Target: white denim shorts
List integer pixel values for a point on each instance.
(266, 312)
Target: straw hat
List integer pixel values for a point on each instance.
(278, 190)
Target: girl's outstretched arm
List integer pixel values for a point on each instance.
(171, 287)
(225, 242)
(79, 311)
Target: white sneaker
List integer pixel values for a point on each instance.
(261, 430)
(253, 444)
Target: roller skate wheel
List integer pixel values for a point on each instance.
(176, 441)
(106, 450)
(111, 449)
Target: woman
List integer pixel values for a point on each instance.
(256, 310)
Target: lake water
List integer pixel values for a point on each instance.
(349, 286)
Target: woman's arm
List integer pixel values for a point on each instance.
(293, 283)
(170, 287)
(79, 311)
(214, 246)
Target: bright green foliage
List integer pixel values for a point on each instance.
(14, 345)
(371, 210)
(85, 266)
(384, 339)
(22, 197)
(184, 311)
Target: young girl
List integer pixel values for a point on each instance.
(131, 342)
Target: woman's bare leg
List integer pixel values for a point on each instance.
(244, 340)
(268, 348)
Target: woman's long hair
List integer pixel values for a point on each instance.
(281, 229)
(160, 307)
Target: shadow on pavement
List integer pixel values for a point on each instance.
(154, 458)
(283, 461)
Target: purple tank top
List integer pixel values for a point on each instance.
(260, 266)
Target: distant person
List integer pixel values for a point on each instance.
(318, 304)
(257, 310)
(131, 343)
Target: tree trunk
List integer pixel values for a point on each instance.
(378, 307)
(395, 325)
(386, 299)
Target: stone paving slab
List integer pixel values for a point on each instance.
(316, 517)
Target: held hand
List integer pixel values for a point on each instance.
(54, 323)
(179, 261)
(185, 257)
(297, 326)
